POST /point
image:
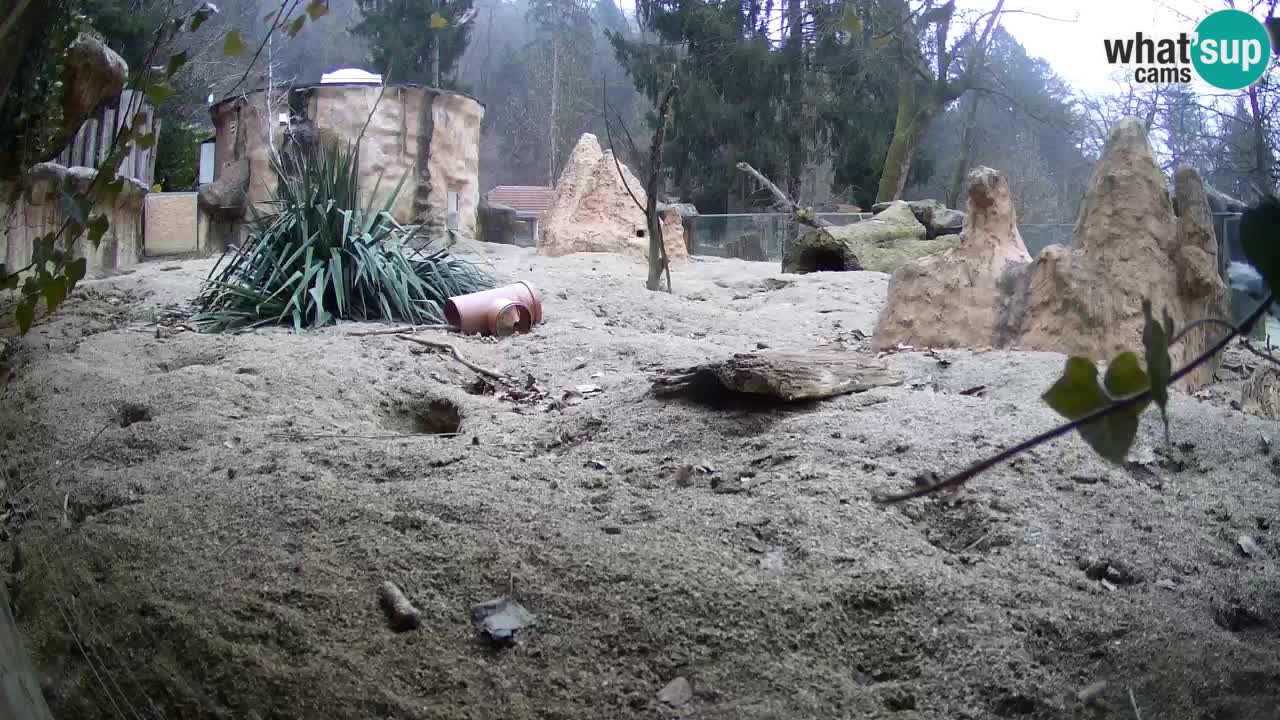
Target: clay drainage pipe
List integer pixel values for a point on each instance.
(500, 311)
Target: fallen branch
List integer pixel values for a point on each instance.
(458, 356)
(801, 216)
(398, 330)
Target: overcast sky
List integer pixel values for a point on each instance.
(1074, 48)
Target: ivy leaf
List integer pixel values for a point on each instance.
(232, 44)
(295, 27)
(97, 228)
(202, 14)
(1155, 342)
(438, 21)
(8, 281)
(175, 63)
(1260, 238)
(146, 142)
(1078, 393)
(318, 9)
(75, 206)
(26, 314)
(158, 92)
(55, 291)
(111, 191)
(75, 272)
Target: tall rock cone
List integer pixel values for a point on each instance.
(594, 209)
(1128, 246)
(958, 298)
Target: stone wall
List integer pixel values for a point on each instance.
(36, 209)
(428, 137)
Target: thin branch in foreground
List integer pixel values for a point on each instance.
(1122, 404)
(608, 133)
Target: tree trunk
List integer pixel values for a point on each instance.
(18, 24)
(1261, 150)
(914, 115)
(966, 150)
(657, 246)
(20, 697)
(555, 94)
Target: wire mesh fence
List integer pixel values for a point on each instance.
(764, 237)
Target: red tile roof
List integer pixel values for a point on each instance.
(525, 199)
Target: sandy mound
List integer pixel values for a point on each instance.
(221, 548)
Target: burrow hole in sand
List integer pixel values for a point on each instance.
(428, 416)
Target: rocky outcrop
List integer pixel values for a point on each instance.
(496, 222)
(881, 244)
(594, 212)
(1085, 300)
(938, 219)
(93, 74)
(225, 197)
(960, 298)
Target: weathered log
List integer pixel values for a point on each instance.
(785, 376)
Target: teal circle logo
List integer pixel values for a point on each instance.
(1232, 49)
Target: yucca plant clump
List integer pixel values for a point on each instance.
(315, 256)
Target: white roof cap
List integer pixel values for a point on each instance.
(350, 75)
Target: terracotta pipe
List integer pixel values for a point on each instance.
(507, 317)
(471, 313)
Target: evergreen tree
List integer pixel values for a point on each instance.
(416, 40)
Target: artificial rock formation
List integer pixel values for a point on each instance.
(938, 219)
(958, 298)
(881, 244)
(92, 74)
(594, 212)
(1085, 300)
(35, 208)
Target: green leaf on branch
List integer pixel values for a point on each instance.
(146, 142)
(1078, 394)
(76, 206)
(198, 18)
(232, 44)
(318, 9)
(295, 27)
(54, 290)
(8, 281)
(98, 227)
(1261, 240)
(26, 314)
(176, 62)
(158, 92)
(75, 272)
(438, 21)
(1155, 342)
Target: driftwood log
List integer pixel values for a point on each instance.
(785, 376)
(801, 216)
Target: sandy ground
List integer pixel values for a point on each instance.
(197, 526)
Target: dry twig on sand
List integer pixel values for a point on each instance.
(400, 330)
(458, 356)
